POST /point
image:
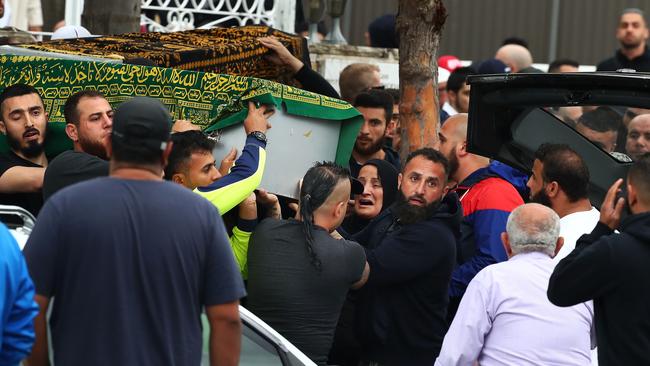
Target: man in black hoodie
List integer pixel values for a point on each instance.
(411, 251)
(612, 269)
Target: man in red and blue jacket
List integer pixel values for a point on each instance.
(488, 193)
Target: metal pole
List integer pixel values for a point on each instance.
(73, 10)
(554, 31)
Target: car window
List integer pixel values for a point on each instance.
(257, 350)
(605, 126)
(535, 126)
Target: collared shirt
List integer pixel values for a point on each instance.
(505, 318)
(449, 109)
(573, 226)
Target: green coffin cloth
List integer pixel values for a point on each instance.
(209, 100)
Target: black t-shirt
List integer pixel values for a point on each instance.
(290, 294)
(130, 264)
(72, 167)
(31, 201)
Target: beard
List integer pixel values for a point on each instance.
(542, 198)
(373, 148)
(631, 45)
(93, 147)
(410, 214)
(453, 163)
(33, 149)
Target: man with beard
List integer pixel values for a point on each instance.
(23, 121)
(89, 119)
(560, 180)
(488, 193)
(632, 33)
(411, 251)
(377, 109)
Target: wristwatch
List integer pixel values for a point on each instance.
(259, 135)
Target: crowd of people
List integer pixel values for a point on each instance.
(444, 257)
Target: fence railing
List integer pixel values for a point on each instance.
(175, 15)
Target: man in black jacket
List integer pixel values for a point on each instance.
(632, 33)
(612, 269)
(411, 251)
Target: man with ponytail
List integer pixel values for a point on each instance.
(298, 274)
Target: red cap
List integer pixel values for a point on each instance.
(449, 62)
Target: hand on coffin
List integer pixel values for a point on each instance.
(280, 55)
(257, 118)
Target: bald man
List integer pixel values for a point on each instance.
(517, 57)
(487, 193)
(509, 300)
(638, 136)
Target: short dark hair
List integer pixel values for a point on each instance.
(458, 77)
(375, 98)
(515, 40)
(431, 155)
(555, 65)
(601, 119)
(17, 90)
(563, 165)
(317, 185)
(639, 177)
(393, 93)
(184, 145)
(633, 11)
(70, 111)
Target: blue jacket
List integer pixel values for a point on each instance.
(17, 306)
(487, 196)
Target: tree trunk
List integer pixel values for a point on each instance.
(108, 17)
(419, 24)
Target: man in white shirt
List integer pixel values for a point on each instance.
(560, 180)
(518, 325)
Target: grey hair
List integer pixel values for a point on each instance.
(527, 234)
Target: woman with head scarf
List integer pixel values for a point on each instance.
(379, 179)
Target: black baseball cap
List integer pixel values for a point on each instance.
(142, 121)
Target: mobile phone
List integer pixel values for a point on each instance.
(622, 193)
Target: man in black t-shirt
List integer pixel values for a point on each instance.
(132, 261)
(89, 119)
(299, 275)
(23, 121)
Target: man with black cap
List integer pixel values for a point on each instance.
(129, 285)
